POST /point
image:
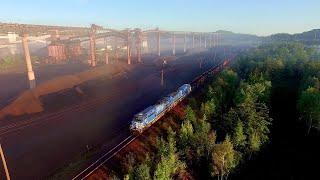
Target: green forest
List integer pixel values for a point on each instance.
(257, 119)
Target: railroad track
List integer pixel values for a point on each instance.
(58, 115)
(104, 158)
(194, 83)
(91, 105)
(111, 153)
(83, 107)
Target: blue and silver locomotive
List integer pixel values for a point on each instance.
(150, 115)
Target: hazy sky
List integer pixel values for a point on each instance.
(261, 17)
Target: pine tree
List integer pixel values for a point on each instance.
(169, 162)
(142, 172)
(186, 134)
(239, 138)
(190, 115)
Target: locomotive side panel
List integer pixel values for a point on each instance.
(153, 113)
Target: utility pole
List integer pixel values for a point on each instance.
(162, 77)
(4, 163)
(162, 71)
(31, 77)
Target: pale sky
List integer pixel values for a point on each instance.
(261, 17)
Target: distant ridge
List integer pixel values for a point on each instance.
(311, 37)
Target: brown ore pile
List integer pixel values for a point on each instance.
(29, 102)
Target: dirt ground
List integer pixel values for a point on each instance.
(70, 123)
(14, 83)
(29, 101)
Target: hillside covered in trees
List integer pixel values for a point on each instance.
(311, 37)
(258, 119)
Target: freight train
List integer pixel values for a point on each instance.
(150, 115)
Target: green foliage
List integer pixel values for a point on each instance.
(252, 113)
(239, 138)
(270, 58)
(141, 172)
(229, 121)
(9, 61)
(128, 164)
(224, 158)
(192, 103)
(14, 61)
(202, 130)
(237, 103)
(169, 163)
(189, 114)
(309, 107)
(257, 120)
(224, 88)
(256, 92)
(162, 148)
(210, 93)
(310, 81)
(208, 108)
(186, 136)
